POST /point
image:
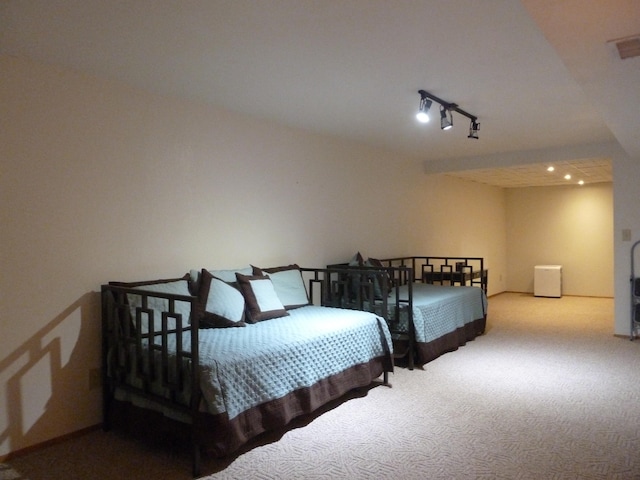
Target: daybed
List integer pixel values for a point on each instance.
(433, 305)
(234, 359)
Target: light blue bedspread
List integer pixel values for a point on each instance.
(244, 367)
(438, 309)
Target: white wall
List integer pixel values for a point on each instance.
(467, 219)
(570, 226)
(626, 178)
(102, 182)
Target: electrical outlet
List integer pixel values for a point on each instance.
(95, 378)
(626, 235)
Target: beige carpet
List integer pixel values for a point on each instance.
(547, 393)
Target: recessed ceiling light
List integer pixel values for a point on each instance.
(567, 177)
(550, 168)
(581, 182)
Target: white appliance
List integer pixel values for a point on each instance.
(547, 281)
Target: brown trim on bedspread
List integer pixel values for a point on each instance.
(221, 437)
(427, 352)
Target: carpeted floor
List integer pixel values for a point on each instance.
(547, 393)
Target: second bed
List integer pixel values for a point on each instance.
(426, 319)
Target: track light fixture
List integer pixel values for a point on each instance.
(446, 120)
(473, 129)
(425, 105)
(446, 113)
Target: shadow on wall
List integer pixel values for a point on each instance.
(42, 377)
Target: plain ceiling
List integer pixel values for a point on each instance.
(538, 74)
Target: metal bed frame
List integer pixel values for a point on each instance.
(130, 365)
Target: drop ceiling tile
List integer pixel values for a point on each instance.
(536, 175)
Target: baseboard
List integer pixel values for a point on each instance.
(563, 295)
(48, 443)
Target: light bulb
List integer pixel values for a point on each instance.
(422, 117)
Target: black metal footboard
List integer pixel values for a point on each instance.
(445, 270)
(376, 289)
(150, 351)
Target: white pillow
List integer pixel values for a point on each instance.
(220, 304)
(159, 305)
(225, 301)
(260, 297)
(289, 287)
(229, 276)
(266, 296)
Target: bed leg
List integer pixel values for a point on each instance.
(106, 407)
(195, 460)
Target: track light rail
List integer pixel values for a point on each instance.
(449, 106)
